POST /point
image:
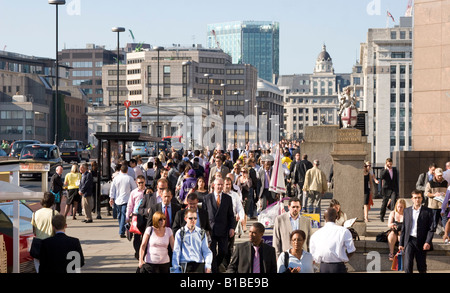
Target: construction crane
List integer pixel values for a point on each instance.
(409, 8)
(139, 46)
(215, 39)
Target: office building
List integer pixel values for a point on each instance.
(86, 69)
(203, 84)
(249, 42)
(386, 60)
(312, 99)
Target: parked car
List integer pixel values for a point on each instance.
(17, 147)
(74, 150)
(164, 146)
(41, 153)
(140, 148)
(25, 235)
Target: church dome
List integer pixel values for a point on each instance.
(324, 56)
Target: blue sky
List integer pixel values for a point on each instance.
(28, 26)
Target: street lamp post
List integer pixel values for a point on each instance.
(224, 118)
(118, 30)
(248, 115)
(257, 125)
(186, 65)
(158, 49)
(56, 3)
(208, 76)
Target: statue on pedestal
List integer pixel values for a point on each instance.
(348, 110)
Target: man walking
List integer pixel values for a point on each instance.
(288, 222)
(119, 194)
(86, 192)
(221, 218)
(315, 185)
(190, 252)
(417, 234)
(298, 171)
(389, 187)
(60, 251)
(253, 256)
(332, 245)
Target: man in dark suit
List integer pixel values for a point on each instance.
(60, 253)
(167, 207)
(253, 256)
(202, 215)
(86, 191)
(417, 234)
(219, 167)
(297, 175)
(221, 218)
(150, 199)
(389, 187)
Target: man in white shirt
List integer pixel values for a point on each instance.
(446, 174)
(332, 245)
(121, 187)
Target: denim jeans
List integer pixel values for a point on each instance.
(121, 216)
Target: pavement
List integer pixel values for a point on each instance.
(106, 252)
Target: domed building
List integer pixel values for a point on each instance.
(312, 99)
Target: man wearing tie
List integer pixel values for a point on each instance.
(253, 256)
(222, 221)
(389, 188)
(167, 207)
(264, 193)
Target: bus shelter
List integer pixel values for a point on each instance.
(111, 147)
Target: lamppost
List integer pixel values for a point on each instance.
(248, 114)
(257, 125)
(224, 118)
(186, 65)
(208, 76)
(158, 49)
(237, 101)
(56, 3)
(118, 30)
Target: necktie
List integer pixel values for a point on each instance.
(166, 214)
(218, 200)
(256, 269)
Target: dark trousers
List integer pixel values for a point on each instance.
(219, 249)
(156, 268)
(338, 267)
(412, 250)
(388, 195)
(267, 198)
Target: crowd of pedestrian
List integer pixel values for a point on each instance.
(189, 207)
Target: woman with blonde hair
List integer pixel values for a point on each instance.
(369, 189)
(154, 254)
(395, 225)
(72, 182)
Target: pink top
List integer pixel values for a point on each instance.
(157, 252)
(134, 201)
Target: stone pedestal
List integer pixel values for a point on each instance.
(349, 153)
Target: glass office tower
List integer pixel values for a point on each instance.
(249, 42)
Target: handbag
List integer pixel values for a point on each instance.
(382, 237)
(397, 263)
(35, 249)
(134, 225)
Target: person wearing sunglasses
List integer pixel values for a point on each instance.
(191, 253)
